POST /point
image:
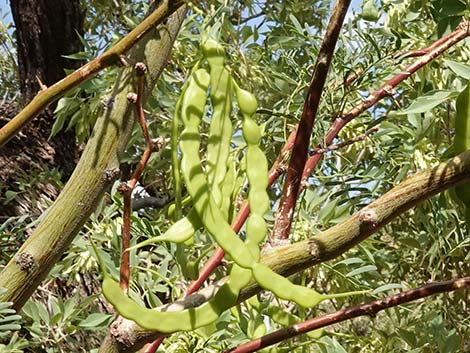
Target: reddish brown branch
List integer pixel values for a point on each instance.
(432, 52)
(421, 52)
(126, 187)
(302, 140)
(369, 309)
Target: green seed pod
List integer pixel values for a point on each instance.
(214, 52)
(251, 132)
(246, 102)
(462, 139)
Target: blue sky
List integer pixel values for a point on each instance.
(5, 8)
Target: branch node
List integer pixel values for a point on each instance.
(121, 332)
(25, 261)
(368, 216)
(132, 97)
(107, 102)
(390, 90)
(42, 86)
(110, 175)
(464, 25)
(140, 68)
(124, 188)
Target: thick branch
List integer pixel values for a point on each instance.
(111, 57)
(299, 154)
(326, 245)
(368, 309)
(97, 169)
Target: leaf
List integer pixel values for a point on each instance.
(427, 102)
(328, 211)
(30, 309)
(387, 287)
(411, 242)
(363, 269)
(459, 69)
(10, 318)
(77, 56)
(350, 261)
(9, 327)
(94, 320)
(9, 195)
(296, 24)
(43, 314)
(4, 305)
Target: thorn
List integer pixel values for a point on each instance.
(42, 86)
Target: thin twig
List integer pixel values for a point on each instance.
(337, 146)
(299, 154)
(126, 188)
(368, 309)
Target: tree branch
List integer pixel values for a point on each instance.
(432, 52)
(299, 154)
(127, 337)
(279, 165)
(368, 309)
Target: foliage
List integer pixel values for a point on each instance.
(271, 48)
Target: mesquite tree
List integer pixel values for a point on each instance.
(339, 161)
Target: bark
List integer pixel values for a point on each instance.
(46, 30)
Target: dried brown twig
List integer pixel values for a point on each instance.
(126, 188)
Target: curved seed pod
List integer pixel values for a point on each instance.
(227, 188)
(462, 143)
(186, 320)
(190, 319)
(221, 129)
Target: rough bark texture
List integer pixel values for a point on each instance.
(46, 30)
